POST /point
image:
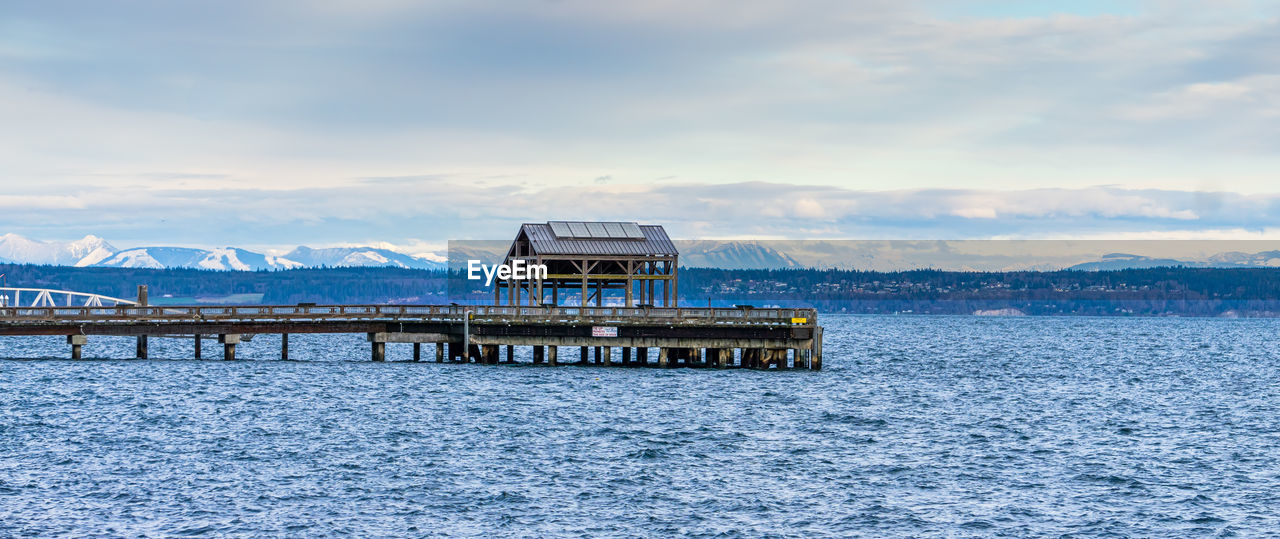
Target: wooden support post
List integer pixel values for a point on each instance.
(454, 351)
(379, 351)
(666, 285)
(229, 342)
(284, 347)
(583, 360)
(76, 342)
(417, 352)
(662, 357)
(552, 352)
(198, 345)
(631, 284)
(511, 353)
(489, 354)
(538, 353)
(585, 270)
(626, 356)
(597, 352)
(675, 284)
(142, 343)
(642, 356)
(439, 352)
(473, 353)
(608, 356)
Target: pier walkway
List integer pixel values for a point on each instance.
(694, 337)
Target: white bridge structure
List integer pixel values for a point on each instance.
(45, 297)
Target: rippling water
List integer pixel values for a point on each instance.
(918, 425)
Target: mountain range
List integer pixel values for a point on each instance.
(971, 255)
(1231, 259)
(92, 251)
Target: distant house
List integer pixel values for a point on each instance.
(594, 263)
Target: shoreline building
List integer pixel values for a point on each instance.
(600, 263)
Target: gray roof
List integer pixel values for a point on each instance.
(598, 238)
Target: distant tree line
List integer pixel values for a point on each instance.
(1148, 291)
(318, 285)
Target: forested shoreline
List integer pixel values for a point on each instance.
(1147, 291)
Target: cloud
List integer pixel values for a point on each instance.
(352, 120)
(431, 210)
(40, 202)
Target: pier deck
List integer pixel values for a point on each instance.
(702, 337)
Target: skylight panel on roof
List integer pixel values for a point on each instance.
(560, 229)
(632, 230)
(596, 230)
(578, 229)
(614, 230)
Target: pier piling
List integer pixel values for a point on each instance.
(229, 342)
(76, 342)
(817, 349)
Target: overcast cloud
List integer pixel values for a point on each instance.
(279, 123)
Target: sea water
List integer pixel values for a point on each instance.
(918, 425)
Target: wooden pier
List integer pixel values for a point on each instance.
(607, 336)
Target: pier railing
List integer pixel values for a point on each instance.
(416, 313)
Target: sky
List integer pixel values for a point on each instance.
(272, 124)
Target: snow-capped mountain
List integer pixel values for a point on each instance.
(229, 258)
(359, 256)
(94, 251)
(86, 251)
